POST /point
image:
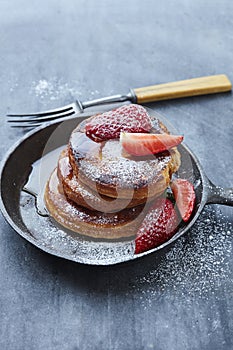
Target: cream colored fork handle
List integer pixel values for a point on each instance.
(183, 88)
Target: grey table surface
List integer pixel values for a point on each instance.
(53, 52)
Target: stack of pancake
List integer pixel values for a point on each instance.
(100, 191)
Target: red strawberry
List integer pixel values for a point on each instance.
(158, 226)
(108, 125)
(145, 144)
(184, 195)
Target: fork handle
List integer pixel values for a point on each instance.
(183, 88)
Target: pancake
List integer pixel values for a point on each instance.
(88, 222)
(76, 191)
(105, 169)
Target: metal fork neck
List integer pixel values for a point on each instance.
(105, 100)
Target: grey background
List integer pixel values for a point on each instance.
(52, 52)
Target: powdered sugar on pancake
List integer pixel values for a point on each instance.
(117, 170)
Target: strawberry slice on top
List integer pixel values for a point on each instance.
(184, 195)
(159, 225)
(142, 144)
(108, 125)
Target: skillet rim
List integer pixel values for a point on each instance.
(203, 201)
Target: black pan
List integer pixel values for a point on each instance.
(18, 207)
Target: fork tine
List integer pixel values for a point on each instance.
(40, 119)
(46, 113)
(19, 125)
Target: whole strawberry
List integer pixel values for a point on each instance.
(158, 226)
(108, 125)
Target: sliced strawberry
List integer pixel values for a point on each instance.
(108, 125)
(158, 226)
(184, 195)
(145, 144)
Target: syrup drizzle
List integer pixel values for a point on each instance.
(40, 173)
(82, 146)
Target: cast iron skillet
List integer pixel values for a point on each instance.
(19, 210)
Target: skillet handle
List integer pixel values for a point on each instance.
(219, 195)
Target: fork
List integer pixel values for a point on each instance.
(184, 88)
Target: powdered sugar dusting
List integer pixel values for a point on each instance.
(123, 172)
(196, 266)
(58, 241)
(53, 90)
(57, 90)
